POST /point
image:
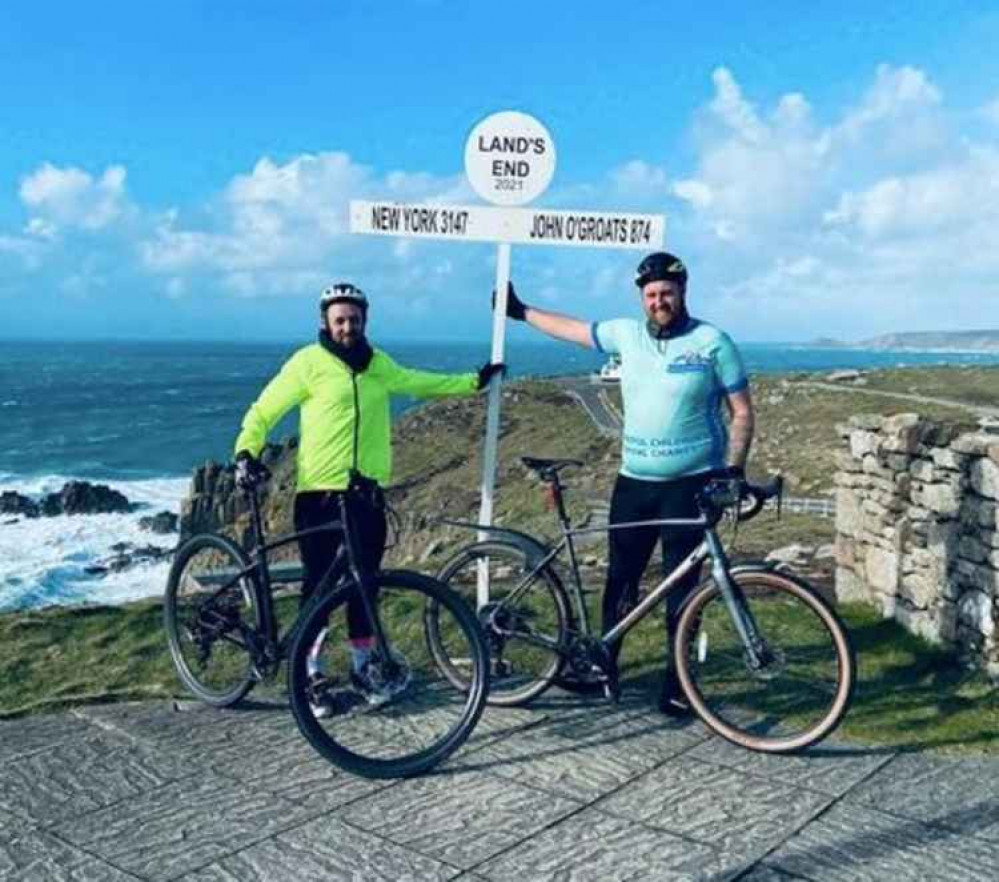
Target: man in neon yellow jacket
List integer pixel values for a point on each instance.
(342, 386)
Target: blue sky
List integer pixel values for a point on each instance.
(183, 171)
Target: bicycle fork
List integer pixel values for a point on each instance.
(754, 645)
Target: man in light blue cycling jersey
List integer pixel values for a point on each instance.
(677, 373)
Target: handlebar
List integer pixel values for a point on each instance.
(725, 493)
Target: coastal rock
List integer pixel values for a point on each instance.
(163, 522)
(792, 554)
(82, 497)
(127, 556)
(15, 504)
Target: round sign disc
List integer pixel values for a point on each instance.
(509, 158)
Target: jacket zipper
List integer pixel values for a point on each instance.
(357, 419)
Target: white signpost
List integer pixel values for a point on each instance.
(509, 161)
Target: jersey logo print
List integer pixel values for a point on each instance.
(690, 362)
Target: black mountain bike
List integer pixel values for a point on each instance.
(223, 635)
(764, 661)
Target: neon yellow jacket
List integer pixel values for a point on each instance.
(333, 399)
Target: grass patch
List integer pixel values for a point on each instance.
(910, 695)
(973, 384)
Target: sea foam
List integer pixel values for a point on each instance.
(43, 561)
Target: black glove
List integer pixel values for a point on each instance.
(250, 471)
(727, 485)
(488, 371)
(516, 309)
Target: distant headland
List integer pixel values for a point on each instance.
(962, 341)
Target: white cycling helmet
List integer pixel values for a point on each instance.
(342, 292)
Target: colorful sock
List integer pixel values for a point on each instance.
(360, 652)
(315, 663)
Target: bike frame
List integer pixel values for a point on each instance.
(345, 562)
(710, 548)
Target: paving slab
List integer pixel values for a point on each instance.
(853, 843)
(324, 850)
(763, 873)
(567, 789)
(32, 734)
(593, 846)
(739, 815)
(166, 720)
(183, 826)
(830, 767)
(10, 823)
(293, 770)
(73, 778)
(959, 794)
(463, 820)
(581, 769)
(595, 719)
(35, 856)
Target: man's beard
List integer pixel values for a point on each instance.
(357, 357)
(675, 324)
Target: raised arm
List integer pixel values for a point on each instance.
(554, 324)
(401, 380)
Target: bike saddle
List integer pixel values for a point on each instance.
(547, 468)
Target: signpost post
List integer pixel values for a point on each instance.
(509, 161)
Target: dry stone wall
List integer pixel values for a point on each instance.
(917, 530)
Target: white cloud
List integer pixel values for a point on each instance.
(796, 222)
(897, 94)
(752, 167)
(72, 198)
(857, 224)
(697, 193)
(639, 179)
(273, 229)
(28, 251)
(991, 111)
(733, 110)
(958, 195)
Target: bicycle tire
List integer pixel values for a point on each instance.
(372, 741)
(521, 670)
(759, 710)
(205, 643)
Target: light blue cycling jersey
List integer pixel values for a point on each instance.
(673, 391)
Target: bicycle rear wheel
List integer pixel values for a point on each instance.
(524, 633)
(803, 689)
(426, 718)
(208, 611)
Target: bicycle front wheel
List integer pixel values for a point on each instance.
(525, 621)
(800, 692)
(419, 717)
(209, 611)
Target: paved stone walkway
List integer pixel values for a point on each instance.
(566, 790)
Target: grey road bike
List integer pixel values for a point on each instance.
(764, 661)
(223, 633)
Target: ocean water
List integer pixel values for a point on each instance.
(141, 416)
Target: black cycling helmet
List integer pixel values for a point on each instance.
(342, 292)
(661, 266)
